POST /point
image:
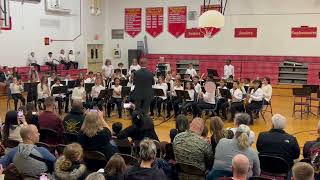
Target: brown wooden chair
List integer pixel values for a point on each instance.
(312, 99)
(124, 146)
(50, 148)
(10, 143)
(129, 160)
(273, 167)
(190, 172)
(49, 136)
(94, 160)
(300, 97)
(69, 138)
(266, 108)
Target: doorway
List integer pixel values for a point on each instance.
(95, 57)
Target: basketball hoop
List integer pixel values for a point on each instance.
(211, 18)
(207, 31)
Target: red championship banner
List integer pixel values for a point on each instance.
(245, 32)
(304, 32)
(177, 20)
(154, 21)
(216, 7)
(132, 21)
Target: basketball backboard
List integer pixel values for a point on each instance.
(5, 23)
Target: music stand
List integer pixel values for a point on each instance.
(28, 86)
(88, 87)
(51, 83)
(72, 84)
(63, 83)
(212, 72)
(125, 91)
(169, 86)
(181, 94)
(59, 90)
(103, 94)
(225, 93)
(125, 72)
(229, 85)
(124, 82)
(158, 92)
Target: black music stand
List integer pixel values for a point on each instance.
(125, 91)
(158, 92)
(51, 83)
(124, 72)
(212, 72)
(28, 86)
(225, 93)
(72, 84)
(124, 82)
(88, 87)
(169, 86)
(229, 85)
(182, 94)
(59, 90)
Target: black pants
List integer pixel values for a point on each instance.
(200, 106)
(143, 105)
(32, 98)
(74, 64)
(36, 65)
(156, 101)
(41, 105)
(66, 64)
(52, 66)
(252, 107)
(187, 105)
(60, 103)
(221, 106)
(173, 103)
(16, 98)
(118, 102)
(236, 107)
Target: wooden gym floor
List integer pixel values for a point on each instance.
(282, 102)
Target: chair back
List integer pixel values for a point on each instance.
(69, 138)
(273, 165)
(94, 160)
(187, 171)
(314, 88)
(129, 160)
(301, 92)
(11, 173)
(49, 136)
(47, 146)
(8, 143)
(60, 149)
(124, 146)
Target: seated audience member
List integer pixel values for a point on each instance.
(159, 100)
(72, 122)
(60, 97)
(27, 157)
(16, 89)
(191, 71)
(267, 90)
(79, 93)
(90, 78)
(95, 134)
(72, 60)
(116, 128)
(69, 166)
(207, 101)
(115, 168)
(95, 92)
(182, 124)
(142, 126)
(134, 66)
(32, 115)
(146, 169)
(32, 61)
(95, 176)
(277, 142)
(302, 171)
(190, 148)
(315, 160)
(240, 167)
(237, 99)
(12, 126)
(116, 98)
(43, 92)
(242, 118)
(228, 148)
(217, 130)
(309, 144)
(49, 120)
(255, 99)
(49, 61)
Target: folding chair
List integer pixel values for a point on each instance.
(300, 97)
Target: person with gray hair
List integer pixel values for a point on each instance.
(95, 176)
(277, 142)
(302, 171)
(240, 167)
(309, 144)
(243, 118)
(145, 170)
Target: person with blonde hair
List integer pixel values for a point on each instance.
(95, 134)
(302, 171)
(69, 166)
(95, 176)
(146, 169)
(228, 148)
(115, 167)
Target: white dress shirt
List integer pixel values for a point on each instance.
(43, 92)
(90, 80)
(31, 60)
(164, 87)
(15, 88)
(197, 88)
(267, 92)
(62, 57)
(49, 59)
(256, 95)
(134, 67)
(228, 71)
(192, 72)
(176, 88)
(79, 93)
(191, 94)
(71, 57)
(95, 91)
(56, 95)
(116, 89)
(209, 98)
(237, 95)
(107, 71)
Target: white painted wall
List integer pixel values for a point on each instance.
(273, 18)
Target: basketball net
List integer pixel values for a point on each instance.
(207, 31)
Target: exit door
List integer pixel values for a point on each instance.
(95, 57)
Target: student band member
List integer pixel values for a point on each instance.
(134, 66)
(60, 97)
(191, 71)
(33, 91)
(63, 59)
(43, 92)
(116, 98)
(237, 99)
(79, 93)
(228, 70)
(107, 69)
(72, 59)
(221, 100)
(189, 102)
(255, 99)
(31, 61)
(206, 100)
(95, 91)
(90, 78)
(196, 84)
(16, 89)
(267, 90)
(174, 101)
(49, 61)
(159, 100)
